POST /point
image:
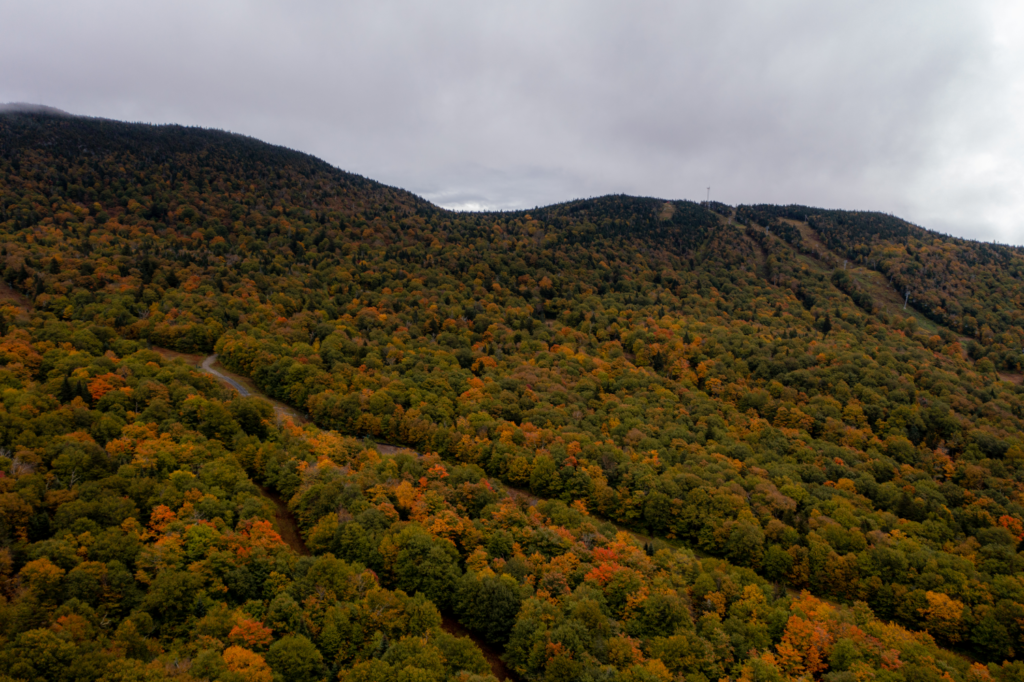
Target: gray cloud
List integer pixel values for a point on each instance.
(904, 107)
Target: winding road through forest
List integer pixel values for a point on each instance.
(289, 529)
(283, 517)
(207, 367)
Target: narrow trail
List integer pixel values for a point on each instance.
(493, 656)
(247, 388)
(287, 528)
(527, 497)
(530, 499)
(243, 386)
(207, 367)
(10, 297)
(284, 520)
(873, 282)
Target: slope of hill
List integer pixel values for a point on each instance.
(971, 287)
(849, 472)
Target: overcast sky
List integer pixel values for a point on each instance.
(912, 107)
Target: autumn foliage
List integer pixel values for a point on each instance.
(626, 438)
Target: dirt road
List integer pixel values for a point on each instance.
(207, 367)
(244, 387)
(287, 527)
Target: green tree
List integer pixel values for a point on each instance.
(294, 658)
(428, 565)
(488, 604)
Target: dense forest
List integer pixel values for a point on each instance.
(613, 439)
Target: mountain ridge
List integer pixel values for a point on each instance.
(823, 483)
(14, 109)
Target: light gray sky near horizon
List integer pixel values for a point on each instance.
(912, 108)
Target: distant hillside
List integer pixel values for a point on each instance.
(972, 287)
(619, 438)
(65, 137)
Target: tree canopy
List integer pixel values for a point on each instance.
(628, 438)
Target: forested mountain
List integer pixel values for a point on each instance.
(614, 439)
